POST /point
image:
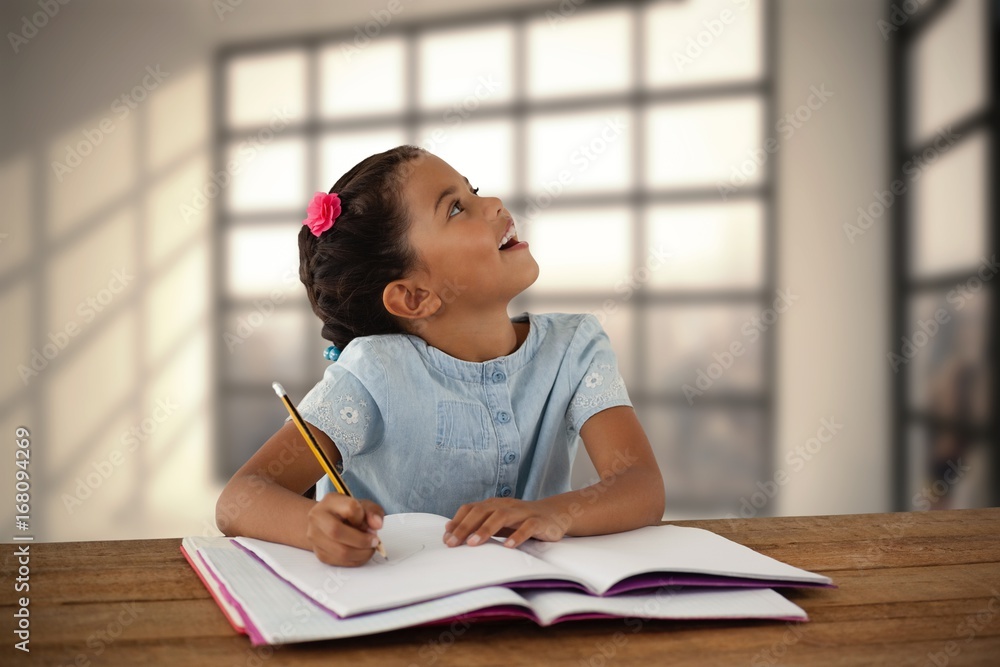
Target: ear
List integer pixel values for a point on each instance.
(404, 298)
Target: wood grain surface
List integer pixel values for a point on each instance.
(915, 588)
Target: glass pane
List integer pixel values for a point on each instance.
(262, 344)
(580, 250)
(703, 42)
(949, 68)
(358, 81)
(248, 421)
(618, 319)
(701, 144)
(946, 353)
(261, 258)
(949, 206)
(710, 456)
(481, 151)
(590, 52)
(706, 245)
(701, 350)
(579, 152)
(947, 470)
(266, 176)
(339, 152)
(465, 69)
(266, 86)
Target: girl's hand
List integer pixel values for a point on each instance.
(474, 523)
(342, 529)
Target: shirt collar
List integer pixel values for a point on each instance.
(479, 371)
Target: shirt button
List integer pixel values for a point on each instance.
(503, 416)
(499, 376)
(509, 457)
(505, 491)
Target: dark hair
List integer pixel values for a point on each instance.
(347, 267)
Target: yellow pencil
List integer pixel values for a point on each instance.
(324, 460)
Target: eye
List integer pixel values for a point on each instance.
(475, 191)
(451, 213)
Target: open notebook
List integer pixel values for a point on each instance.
(421, 567)
(271, 611)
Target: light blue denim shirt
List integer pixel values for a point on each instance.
(421, 431)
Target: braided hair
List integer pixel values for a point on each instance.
(346, 269)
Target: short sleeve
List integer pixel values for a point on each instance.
(343, 408)
(598, 383)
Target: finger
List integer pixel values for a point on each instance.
(473, 520)
(529, 528)
(342, 556)
(493, 523)
(460, 515)
(347, 508)
(333, 528)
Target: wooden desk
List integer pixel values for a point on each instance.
(916, 588)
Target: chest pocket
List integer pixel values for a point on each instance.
(462, 426)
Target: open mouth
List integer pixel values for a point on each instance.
(509, 239)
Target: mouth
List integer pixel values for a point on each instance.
(509, 238)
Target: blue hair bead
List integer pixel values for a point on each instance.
(332, 353)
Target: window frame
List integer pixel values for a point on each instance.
(637, 98)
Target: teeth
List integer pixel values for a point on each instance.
(507, 237)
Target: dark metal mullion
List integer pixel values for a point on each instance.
(993, 237)
(629, 197)
(963, 129)
(313, 139)
(898, 123)
(769, 361)
(634, 98)
(520, 119)
(981, 430)
(943, 281)
(411, 119)
(220, 429)
(640, 309)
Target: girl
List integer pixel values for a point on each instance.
(438, 401)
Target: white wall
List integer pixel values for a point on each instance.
(832, 343)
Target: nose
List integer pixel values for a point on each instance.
(493, 207)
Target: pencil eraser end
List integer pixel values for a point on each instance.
(278, 389)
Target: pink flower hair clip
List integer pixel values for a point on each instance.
(322, 212)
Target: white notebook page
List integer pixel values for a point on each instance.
(420, 566)
(605, 560)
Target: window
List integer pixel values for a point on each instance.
(944, 344)
(617, 157)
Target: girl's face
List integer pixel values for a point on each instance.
(458, 235)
